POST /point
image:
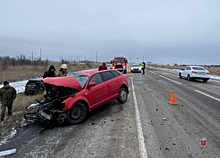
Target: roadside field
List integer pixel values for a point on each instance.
(18, 73)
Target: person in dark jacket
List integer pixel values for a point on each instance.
(102, 67)
(7, 96)
(49, 73)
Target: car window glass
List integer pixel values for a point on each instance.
(115, 73)
(96, 78)
(135, 66)
(107, 75)
(185, 68)
(198, 68)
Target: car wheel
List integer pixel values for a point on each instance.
(123, 95)
(77, 113)
(188, 78)
(205, 80)
(180, 75)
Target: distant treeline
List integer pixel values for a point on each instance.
(21, 60)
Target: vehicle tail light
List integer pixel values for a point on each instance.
(41, 88)
(208, 72)
(194, 72)
(124, 66)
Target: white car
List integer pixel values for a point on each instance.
(135, 68)
(195, 72)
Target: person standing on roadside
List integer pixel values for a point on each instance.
(102, 67)
(7, 96)
(63, 71)
(49, 73)
(143, 67)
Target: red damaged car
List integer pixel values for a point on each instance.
(74, 96)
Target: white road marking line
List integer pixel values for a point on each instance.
(165, 77)
(169, 79)
(153, 72)
(207, 95)
(142, 148)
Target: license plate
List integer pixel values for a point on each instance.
(202, 73)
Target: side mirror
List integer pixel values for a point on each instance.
(92, 84)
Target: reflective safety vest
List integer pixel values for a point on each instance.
(143, 65)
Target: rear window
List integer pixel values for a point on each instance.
(115, 73)
(198, 68)
(135, 65)
(107, 75)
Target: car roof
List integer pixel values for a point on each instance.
(34, 80)
(197, 66)
(90, 73)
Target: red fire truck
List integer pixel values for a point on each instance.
(120, 64)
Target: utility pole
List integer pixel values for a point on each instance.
(142, 58)
(32, 56)
(40, 56)
(96, 56)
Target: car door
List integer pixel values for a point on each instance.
(97, 95)
(184, 72)
(112, 84)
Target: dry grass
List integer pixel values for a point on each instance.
(22, 101)
(14, 121)
(19, 73)
(212, 70)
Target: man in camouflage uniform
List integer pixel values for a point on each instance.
(7, 96)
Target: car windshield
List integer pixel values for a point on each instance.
(82, 79)
(119, 61)
(135, 65)
(198, 68)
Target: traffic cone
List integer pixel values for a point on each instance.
(172, 99)
(131, 74)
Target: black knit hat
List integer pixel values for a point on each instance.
(6, 83)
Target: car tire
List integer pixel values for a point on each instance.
(123, 95)
(125, 71)
(205, 80)
(77, 114)
(180, 75)
(188, 78)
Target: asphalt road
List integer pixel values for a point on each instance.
(113, 130)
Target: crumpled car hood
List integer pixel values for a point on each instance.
(68, 81)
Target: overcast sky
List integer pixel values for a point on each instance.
(163, 31)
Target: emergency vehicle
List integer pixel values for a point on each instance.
(120, 64)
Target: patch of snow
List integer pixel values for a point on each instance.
(17, 112)
(19, 85)
(7, 152)
(11, 135)
(215, 77)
